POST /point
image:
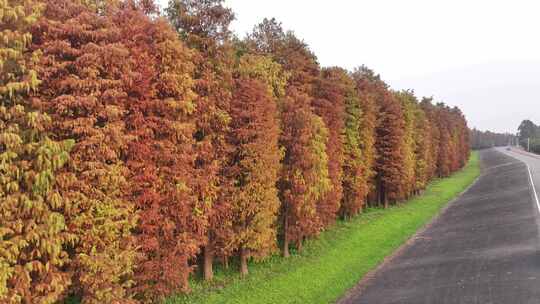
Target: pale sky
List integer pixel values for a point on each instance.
(482, 56)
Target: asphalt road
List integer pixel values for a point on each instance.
(484, 248)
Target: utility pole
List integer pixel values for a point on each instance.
(528, 144)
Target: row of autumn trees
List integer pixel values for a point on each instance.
(136, 149)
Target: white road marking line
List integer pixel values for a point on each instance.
(533, 188)
(530, 176)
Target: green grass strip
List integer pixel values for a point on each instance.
(338, 259)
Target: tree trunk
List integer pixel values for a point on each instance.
(299, 246)
(379, 189)
(225, 262)
(379, 197)
(364, 204)
(243, 262)
(286, 253)
(208, 271)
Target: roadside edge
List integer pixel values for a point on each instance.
(352, 293)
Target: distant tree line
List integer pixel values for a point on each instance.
(529, 136)
(488, 139)
(136, 149)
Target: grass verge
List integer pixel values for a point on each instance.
(338, 259)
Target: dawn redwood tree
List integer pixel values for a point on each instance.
(423, 148)
(33, 231)
(274, 79)
(254, 166)
(368, 129)
(445, 141)
(305, 170)
(82, 70)
(454, 141)
(304, 180)
(389, 144)
(408, 103)
(354, 180)
(204, 27)
(453, 126)
(164, 185)
(271, 75)
(433, 155)
(449, 149)
(369, 87)
(463, 138)
(330, 92)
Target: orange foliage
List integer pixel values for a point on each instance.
(141, 147)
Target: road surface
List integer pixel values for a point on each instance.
(483, 249)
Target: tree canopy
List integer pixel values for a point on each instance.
(137, 149)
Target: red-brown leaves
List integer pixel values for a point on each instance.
(161, 159)
(33, 230)
(203, 25)
(389, 165)
(331, 91)
(82, 71)
(177, 146)
(253, 167)
(304, 179)
(453, 150)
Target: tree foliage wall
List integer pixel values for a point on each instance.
(139, 147)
